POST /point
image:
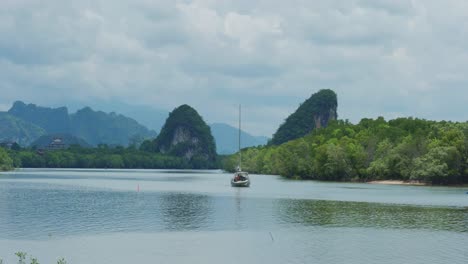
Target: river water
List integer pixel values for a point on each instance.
(170, 216)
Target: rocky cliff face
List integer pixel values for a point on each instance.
(315, 112)
(186, 135)
(322, 119)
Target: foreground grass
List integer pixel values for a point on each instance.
(22, 259)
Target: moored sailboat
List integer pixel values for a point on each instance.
(240, 178)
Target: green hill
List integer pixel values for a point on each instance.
(186, 135)
(315, 112)
(17, 130)
(97, 127)
(52, 120)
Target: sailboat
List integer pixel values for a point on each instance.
(240, 178)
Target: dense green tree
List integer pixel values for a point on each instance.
(6, 163)
(400, 149)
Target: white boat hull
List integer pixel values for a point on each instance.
(245, 183)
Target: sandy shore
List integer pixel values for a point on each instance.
(397, 182)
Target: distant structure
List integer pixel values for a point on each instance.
(56, 144)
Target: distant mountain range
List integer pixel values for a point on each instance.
(97, 127)
(94, 127)
(226, 138)
(25, 123)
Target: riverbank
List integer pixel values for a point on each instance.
(399, 182)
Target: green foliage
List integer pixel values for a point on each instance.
(21, 257)
(101, 157)
(315, 112)
(6, 163)
(13, 128)
(187, 136)
(374, 149)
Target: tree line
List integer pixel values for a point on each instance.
(374, 149)
(102, 156)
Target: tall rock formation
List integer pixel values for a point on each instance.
(186, 135)
(315, 112)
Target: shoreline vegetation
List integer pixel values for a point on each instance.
(311, 144)
(102, 157)
(405, 150)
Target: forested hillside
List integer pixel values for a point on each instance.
(97, 127)
(52, 120)
(17, 130)
(400, 149)
(24, 123)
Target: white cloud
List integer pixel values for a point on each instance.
(248, 30)
(398, 57)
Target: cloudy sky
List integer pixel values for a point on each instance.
(386, 58)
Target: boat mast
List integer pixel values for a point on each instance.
(240, 155)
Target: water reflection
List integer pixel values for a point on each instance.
(238, 218)
(371, 215)
(41, 213)
(32, 210)
(99, 217)
(185, 211)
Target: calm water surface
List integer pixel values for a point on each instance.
(156, 216)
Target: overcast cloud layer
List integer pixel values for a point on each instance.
(389, 57)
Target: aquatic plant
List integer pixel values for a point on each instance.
(21, 256)
(22, 259)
